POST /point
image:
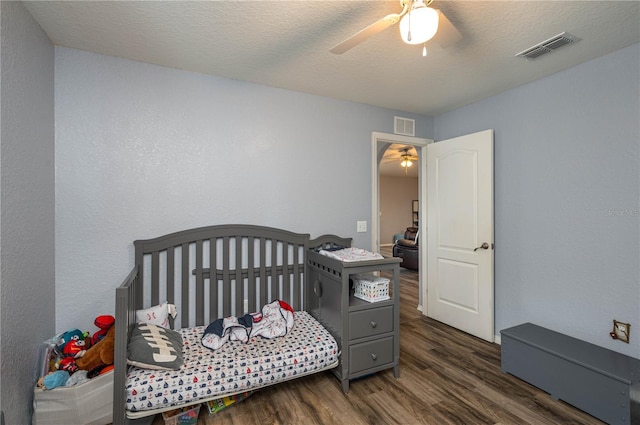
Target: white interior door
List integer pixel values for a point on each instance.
(460, 233)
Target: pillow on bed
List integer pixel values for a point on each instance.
(154, 347)
(158, 314)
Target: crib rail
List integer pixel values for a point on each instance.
(252, 266)
(126, 306)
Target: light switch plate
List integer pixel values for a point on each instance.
(361, 226)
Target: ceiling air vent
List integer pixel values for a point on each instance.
(404, 126)
(548, 45)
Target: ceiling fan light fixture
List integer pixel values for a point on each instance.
(420, 24)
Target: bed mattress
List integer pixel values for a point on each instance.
(235, 367)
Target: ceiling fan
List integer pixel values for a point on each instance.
(418, 24)
(407, 160)
(401, 156)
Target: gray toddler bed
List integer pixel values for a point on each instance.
(210, 273)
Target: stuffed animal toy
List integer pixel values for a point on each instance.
(100, 354)
(104, 323)
(64, 338)
(68, 364)
(75, 347)
(54, 379)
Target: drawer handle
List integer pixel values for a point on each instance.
(374, 357)
(373, 324)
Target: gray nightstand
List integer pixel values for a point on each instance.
(368, 333)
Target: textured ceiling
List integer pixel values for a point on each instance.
(286, 43)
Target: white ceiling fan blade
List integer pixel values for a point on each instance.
(362, 35)
(447, 34)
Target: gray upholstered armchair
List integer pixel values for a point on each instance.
(407, 249)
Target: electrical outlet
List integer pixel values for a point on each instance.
(620, 331)
(361, 226)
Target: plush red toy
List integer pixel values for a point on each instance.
(68, 364)
(72, 350)
(104, 323)
(75, 348)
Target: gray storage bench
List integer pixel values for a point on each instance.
(602, 382)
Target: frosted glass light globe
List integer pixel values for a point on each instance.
(419, 25)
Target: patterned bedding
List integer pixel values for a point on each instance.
(234, 367)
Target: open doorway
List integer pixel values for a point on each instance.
(398, 185)
(381, 143)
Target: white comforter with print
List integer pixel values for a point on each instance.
(233, 368)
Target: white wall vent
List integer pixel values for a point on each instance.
(548, 45)
(404, 126)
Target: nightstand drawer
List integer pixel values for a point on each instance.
(374, 321)
(370, 354)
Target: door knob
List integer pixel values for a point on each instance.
(483, 246)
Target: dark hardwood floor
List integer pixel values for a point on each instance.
(446, 377)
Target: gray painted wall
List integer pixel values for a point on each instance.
(27, 296)
(143, 150)
(567, 201)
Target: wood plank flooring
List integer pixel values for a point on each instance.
(446, 377)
